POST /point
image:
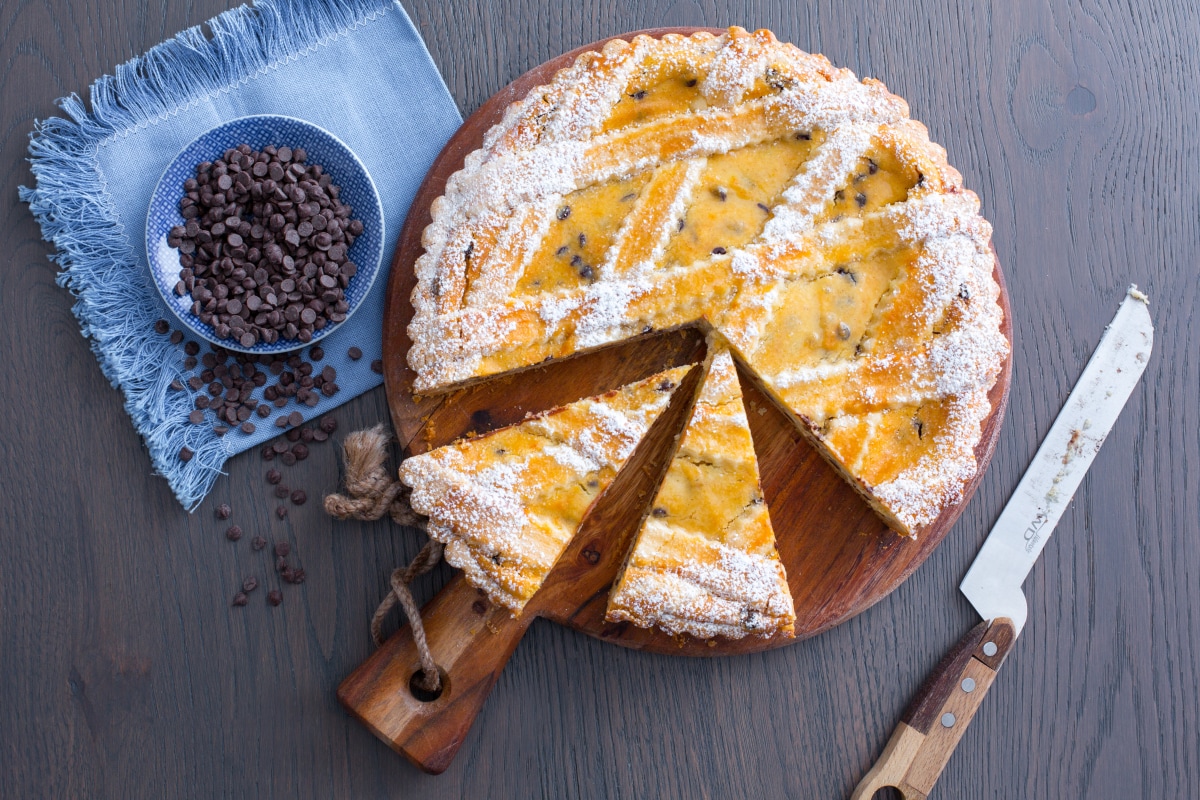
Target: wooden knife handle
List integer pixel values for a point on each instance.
(471, 640)
(922, 743)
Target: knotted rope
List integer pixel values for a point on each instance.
(371, 492)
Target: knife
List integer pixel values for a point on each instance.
(936, 719)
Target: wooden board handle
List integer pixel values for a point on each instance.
(923, 742)
(471, 640)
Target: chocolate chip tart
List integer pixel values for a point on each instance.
(737, 183)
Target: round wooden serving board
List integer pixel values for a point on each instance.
(840, 557)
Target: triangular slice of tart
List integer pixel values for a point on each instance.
(704, 561)
(506, 504)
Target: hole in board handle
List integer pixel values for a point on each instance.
(887, 793)
(424, 695)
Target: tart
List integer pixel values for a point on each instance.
(736, 183)
(506, 504)
(704, 562)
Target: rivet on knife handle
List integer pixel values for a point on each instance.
(922, 743)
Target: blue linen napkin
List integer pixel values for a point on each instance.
(357, 68)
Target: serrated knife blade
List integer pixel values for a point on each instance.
(993, 583)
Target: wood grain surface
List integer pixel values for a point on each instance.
(126, 673)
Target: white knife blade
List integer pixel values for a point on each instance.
(993, 583)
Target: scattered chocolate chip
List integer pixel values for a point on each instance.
(860, 199)
(295, 418)
(299, 497)
(196, 417)
(563, 212)
(162, 327)
(718, 251)
(300, 451)
(354, 353)
(176, 337)
(281, 512)
(177, 385)
(281, 491)
(250, 584)
(316, 353)
(377, 366)
(329, 424)
(247, 427)
(223, 511)
(282, 548)
(288, 458)
(274, 476)
(240, 599)
(233, 533)
(258, 543)
(659, 511)
(268, 453)
(274, 597)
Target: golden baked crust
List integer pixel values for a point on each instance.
(741, 183)
(506, 504)
(704, 562)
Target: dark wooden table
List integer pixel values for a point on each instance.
(125, 673)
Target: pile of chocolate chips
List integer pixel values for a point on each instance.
(224, 383)
(264, 247)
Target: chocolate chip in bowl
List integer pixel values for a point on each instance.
(264, 235)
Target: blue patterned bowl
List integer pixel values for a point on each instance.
(344, 168)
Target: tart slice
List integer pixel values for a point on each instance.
(507, 503)
(704, 562)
